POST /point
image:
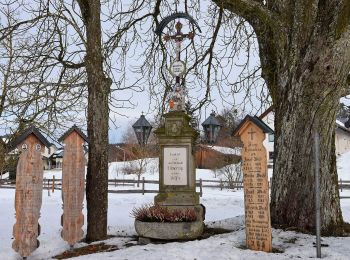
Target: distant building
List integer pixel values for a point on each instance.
(47, 153)
(342, 134)
(268, 117)
(214, 157)
(342, 137)
(56, 159)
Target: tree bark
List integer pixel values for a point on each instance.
(293, 189)
(305, 57)
(98, 111)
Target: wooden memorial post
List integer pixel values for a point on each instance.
(256, 189)
(29, 186)
(73, 185)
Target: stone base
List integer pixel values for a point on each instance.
(169, 231)
(177, 198)
(144, 240)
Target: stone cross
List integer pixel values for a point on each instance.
(73, 184)
(255, 182)
(29, 185)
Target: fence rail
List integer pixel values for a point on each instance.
(56, 184)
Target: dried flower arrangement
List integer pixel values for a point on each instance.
(156, 213)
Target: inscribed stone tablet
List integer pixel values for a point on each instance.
(175, 165)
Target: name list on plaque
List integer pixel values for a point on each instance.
(175, 165)
(256, 191)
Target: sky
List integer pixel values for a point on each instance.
(144, 101)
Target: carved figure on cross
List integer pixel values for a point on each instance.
(177, 100)
(178, 37)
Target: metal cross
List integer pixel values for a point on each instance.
(178, 37)
(251, 133)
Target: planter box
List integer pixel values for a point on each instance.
(168, 230)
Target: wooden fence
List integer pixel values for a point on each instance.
(56, 184)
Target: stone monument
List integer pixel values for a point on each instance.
(73, 184)
(177, 170)
(255, 181)
(177, 176)
(29, 186)
(177, 181)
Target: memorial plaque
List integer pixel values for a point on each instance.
(73, 184)
(177, 68)
(256, 189)
(175, 166)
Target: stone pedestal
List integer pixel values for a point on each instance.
(177, 170)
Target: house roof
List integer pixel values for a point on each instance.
(226, 150)
(58, 154)
(70, 130)
(343, 126)
(266, 112)
(264, 127)
(30, 130)
(5, 136)
(347, 123)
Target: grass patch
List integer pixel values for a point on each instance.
(86, 250)
(208, 232)
(291, 240)
(274, 250)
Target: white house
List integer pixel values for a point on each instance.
(342, 138)
(268, 118)
(342, 135)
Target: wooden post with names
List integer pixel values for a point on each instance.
(29, 186)
(73, 185)
(256, 188)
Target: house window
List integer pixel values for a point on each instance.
(271, 155)
(271, 137)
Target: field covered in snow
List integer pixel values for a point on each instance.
(224, 209)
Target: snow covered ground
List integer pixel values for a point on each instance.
(223, 209)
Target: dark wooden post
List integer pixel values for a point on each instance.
(341, 186)
(143, 185)
(53, 184)
(200, 187)
(73, 185)
(29, 186)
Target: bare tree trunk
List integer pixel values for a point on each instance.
(307, 101)
(98, 88)
(293, 189)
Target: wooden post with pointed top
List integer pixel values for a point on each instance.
(73, 185)
(256, 188)
(29, 187)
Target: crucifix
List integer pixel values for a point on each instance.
(251, 133)
(178, 37)
(178, 67)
